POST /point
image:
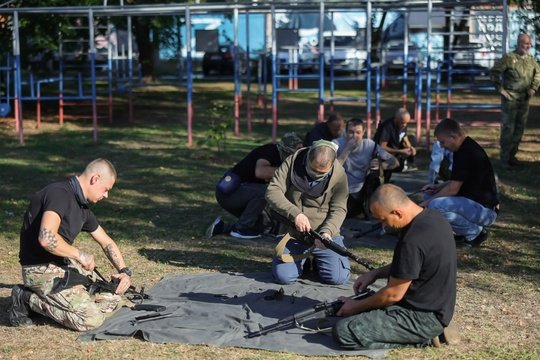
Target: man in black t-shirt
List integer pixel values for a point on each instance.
(469, 200)
(245, 187)
(391, 135)
(54, 218)
(329, 130)
(418, 300)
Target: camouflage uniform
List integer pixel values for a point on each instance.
(516, 75)
(72, 307)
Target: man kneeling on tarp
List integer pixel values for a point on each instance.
(309, 190)
(418, 301)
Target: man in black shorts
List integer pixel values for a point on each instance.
(418, 301)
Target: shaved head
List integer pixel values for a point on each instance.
(389, 197)
(100, 166)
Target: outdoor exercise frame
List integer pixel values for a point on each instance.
(187, 10)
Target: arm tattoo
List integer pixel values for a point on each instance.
(112, 255)
(47, 238)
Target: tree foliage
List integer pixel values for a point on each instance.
(526, 17)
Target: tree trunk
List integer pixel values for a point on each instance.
(146, 49)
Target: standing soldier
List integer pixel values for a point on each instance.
(517, 77)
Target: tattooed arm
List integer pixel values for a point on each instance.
(109, 247)
(115, 257)
(52, 242)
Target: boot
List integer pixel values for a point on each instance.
(19, 313)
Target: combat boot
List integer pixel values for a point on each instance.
(19, 313)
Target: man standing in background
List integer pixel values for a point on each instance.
(517, 77)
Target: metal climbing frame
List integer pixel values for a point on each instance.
(426, 71)
(468, 50)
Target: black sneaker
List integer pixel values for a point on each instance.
(244, 234)
(478, 239)
(217, 227)
(19, 313)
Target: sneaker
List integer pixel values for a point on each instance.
(19, 313)
(478, 240)
(409, 168)
(244, 234)
(217, 227)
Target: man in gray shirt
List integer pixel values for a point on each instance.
(361, 158)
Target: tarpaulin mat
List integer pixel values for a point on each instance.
(222, 308)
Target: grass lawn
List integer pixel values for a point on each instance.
(163, 201)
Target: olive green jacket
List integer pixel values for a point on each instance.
(516, 75)
(326, 213)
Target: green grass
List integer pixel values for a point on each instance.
(163, 201)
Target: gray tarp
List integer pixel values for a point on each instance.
(220, 309)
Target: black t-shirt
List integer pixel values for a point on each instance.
(471, 165)
(387, 132)
(246, 167)
(318, 132)
(74, 218)
(426, 254)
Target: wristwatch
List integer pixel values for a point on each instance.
(126, 271)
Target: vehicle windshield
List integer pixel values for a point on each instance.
(340, 41)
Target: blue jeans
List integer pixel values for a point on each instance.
(333, 268)
(467, 217)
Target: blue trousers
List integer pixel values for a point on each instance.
(333, 268)
(467, 217)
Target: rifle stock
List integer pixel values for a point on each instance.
(318, 311)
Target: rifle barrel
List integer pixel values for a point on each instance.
(332, 245)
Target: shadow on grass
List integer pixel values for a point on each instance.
(210, 260)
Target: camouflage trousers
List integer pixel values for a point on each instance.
(72, 307)
(513, 120)
(387, 328)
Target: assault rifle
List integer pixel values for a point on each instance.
(72, 278)
(311, 235)
(318, 311)
(332, 245)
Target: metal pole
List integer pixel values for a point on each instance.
(368, 75)
(130, 69)
(189, 78)
(248, 76)
(505, 27)
(274, 77)
(17, 98)
(320, 113)
(93, 72)
(237, 89)
(405, 58)
(109, 71)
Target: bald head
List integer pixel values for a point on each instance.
(402, 118)
(321, 157)
(393, 207)
(389, 197)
